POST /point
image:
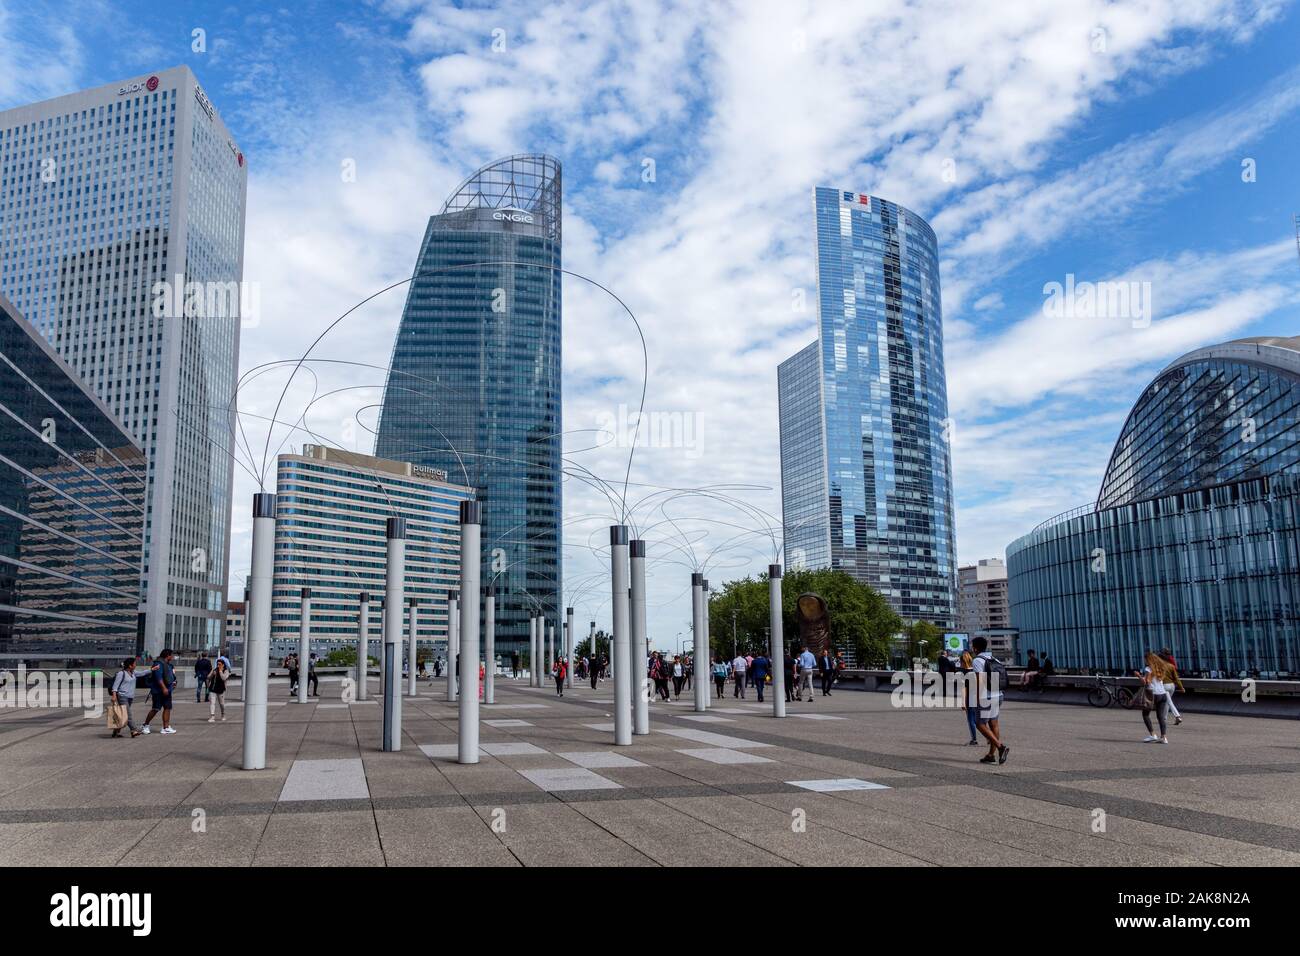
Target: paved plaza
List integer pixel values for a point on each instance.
(845, 780)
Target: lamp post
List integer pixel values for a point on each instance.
(257, 631)
(775, 640)
(471, 519)
(394, 586)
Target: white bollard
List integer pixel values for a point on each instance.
(618, 546)
(489, 645)
(412, 622)
(570, 642)
(453, 642)
(394, 588)
(363, 646)
(471, 519)
(257, 631)
(304, 645)
(703, 659)
(637, 642)
(776, 645)
(704, 621)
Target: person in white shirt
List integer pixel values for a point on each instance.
(738, 668)
(990, 703)
(807, 664)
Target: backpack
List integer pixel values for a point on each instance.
(719, 670)
(994, 666)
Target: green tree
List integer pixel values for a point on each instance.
(860, 617)
(923, 639)
(583, 647)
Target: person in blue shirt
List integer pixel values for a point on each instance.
(202, 671)
(807, 664)
(162, 684)
(760, 668)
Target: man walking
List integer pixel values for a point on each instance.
(826, 665)
(202, 671)
(758, 670)
(313, 687)
(990, 700)
(162, 684)
(739, 667)
(807, 663)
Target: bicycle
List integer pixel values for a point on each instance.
(1107, 692)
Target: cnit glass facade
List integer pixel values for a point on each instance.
(1194, 541)
(105, 196)
(330, 535)
(474, 383)
(72, 500)
(885, 484)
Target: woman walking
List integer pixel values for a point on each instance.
(720, 676)
(659, 672)
(1168, 657)
(972, 696)
(217, 691)
(1156, 677)
(559, 672)
(679, 675)
(123, 693)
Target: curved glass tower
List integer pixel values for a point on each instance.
(1194, 540)
(866, 482)
(474, 382)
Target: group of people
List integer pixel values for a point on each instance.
(212, 678)
(291, 664)
(750, 670)
(1159, 681)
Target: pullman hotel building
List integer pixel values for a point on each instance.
(1193, 542)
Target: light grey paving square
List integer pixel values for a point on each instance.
(814, 716)
(607, 727)
(707, 719)
(729, 710)
(332, 706)
(441, 751)
(507, 722)
(343, 779)
(363, 703)
(712, 739)
(834, 786)
(597, 759)
(569, 778)
(516, 706)
(723, 755)
(510, 749)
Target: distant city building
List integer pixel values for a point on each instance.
(108, 194)
(865, 473)
(982, 596)
(72, 507)
(1192, 542)
(236, 625)
(474, 386)
(330, 536)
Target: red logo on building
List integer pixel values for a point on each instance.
(151, 84)
(241, 159)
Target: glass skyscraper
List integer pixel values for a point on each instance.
(474, 383)
(866, 482)
(72, 502)
(1193, 542)
(121, 240)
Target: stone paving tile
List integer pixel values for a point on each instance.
(452, 836)
(326, 780)
(556, 834)
(724, 756)
(552, 779)
(345, 838)
(597, 759)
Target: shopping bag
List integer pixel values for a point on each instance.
(116, 716)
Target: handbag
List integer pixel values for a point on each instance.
(1145, 698)
(116, 716)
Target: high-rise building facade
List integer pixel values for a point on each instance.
(474, 383)
(982, 597)
(121, 239)
(879, 506)
(333, 508)
(72, 502)
(1193, 542)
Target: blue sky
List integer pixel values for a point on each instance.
(1074, 137)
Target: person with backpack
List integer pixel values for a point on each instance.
(989, 689)
(123, 693)
(720, 676)
(162, 684)
(970, 702)
(217, 691)
(659, 674)
(291, 664)
(559, 672)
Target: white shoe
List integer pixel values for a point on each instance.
(212, 720)
(1150, 738)
(1164, 740)
(169, 730)
(145, 729)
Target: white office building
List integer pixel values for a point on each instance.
(331, 537)
(122, 241)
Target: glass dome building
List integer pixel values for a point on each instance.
(1193, 541)
(474, 383)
